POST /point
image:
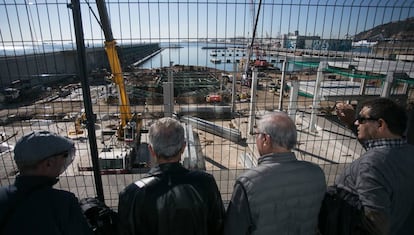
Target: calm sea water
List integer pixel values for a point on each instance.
(192, 53)
(35, 48)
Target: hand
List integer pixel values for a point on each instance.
(345, 113)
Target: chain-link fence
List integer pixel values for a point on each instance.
(216, 65)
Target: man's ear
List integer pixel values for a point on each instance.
(266, 139)
(45, 165)
(151, 150)
(183, 148)
(383, 128)
(382, 123)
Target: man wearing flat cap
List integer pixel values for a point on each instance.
(31, 205)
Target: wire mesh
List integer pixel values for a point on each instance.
(208, 50)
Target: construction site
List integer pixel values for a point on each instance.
(107, 107)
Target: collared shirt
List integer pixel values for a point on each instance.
(384, 143)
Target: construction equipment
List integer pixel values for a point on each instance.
(130, 124)
(119, 156)
(128, 155)
(80, 122)
(213, 98)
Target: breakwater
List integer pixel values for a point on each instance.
(27, 66)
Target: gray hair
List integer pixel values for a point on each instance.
(166, 136)
(280, 127)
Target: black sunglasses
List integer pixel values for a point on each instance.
(362, 120)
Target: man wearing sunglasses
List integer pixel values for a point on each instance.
(383, 177)
(31, 205)
(346, 114)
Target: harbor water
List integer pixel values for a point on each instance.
(203, 54)
(211, 55)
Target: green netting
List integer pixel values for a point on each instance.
(305, 94)
(411, 82)
(354, 75)
(348, 74)
(306, 64)
(338, 71)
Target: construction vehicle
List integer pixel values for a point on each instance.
(115, 159)
(80, 122)
(213, 98)
(125, 153)
(130, 124)
(119, 156)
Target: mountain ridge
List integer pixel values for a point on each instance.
(396, 30)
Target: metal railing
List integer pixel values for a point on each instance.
(54, 68)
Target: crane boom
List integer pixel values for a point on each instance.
(117, 76)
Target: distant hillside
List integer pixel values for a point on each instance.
(399, 30)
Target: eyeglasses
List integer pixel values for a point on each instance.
(362, 120)
(67, 155)
(259, 133)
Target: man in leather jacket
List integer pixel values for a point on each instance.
(171, 199)
(31, 205)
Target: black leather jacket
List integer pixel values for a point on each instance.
(144, 209)
(32, 206)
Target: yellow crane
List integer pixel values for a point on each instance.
(130, 124)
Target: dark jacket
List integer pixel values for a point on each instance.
(383, 179)
(280, 196)
(40, 209)
(144, 208)
(410, 127)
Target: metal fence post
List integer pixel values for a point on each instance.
(316, 95)
(387, 85)
(253, 101)
(80, 46)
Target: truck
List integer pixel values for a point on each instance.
(124, 160)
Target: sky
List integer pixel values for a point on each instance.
(27, 21)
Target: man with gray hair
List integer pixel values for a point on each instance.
(282, 195)
(171, 199)
(31, 205)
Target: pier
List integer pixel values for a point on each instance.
(24, 67)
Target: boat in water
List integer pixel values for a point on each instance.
(213, 47)
(215, 61)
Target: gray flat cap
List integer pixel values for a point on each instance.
(39, 145)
